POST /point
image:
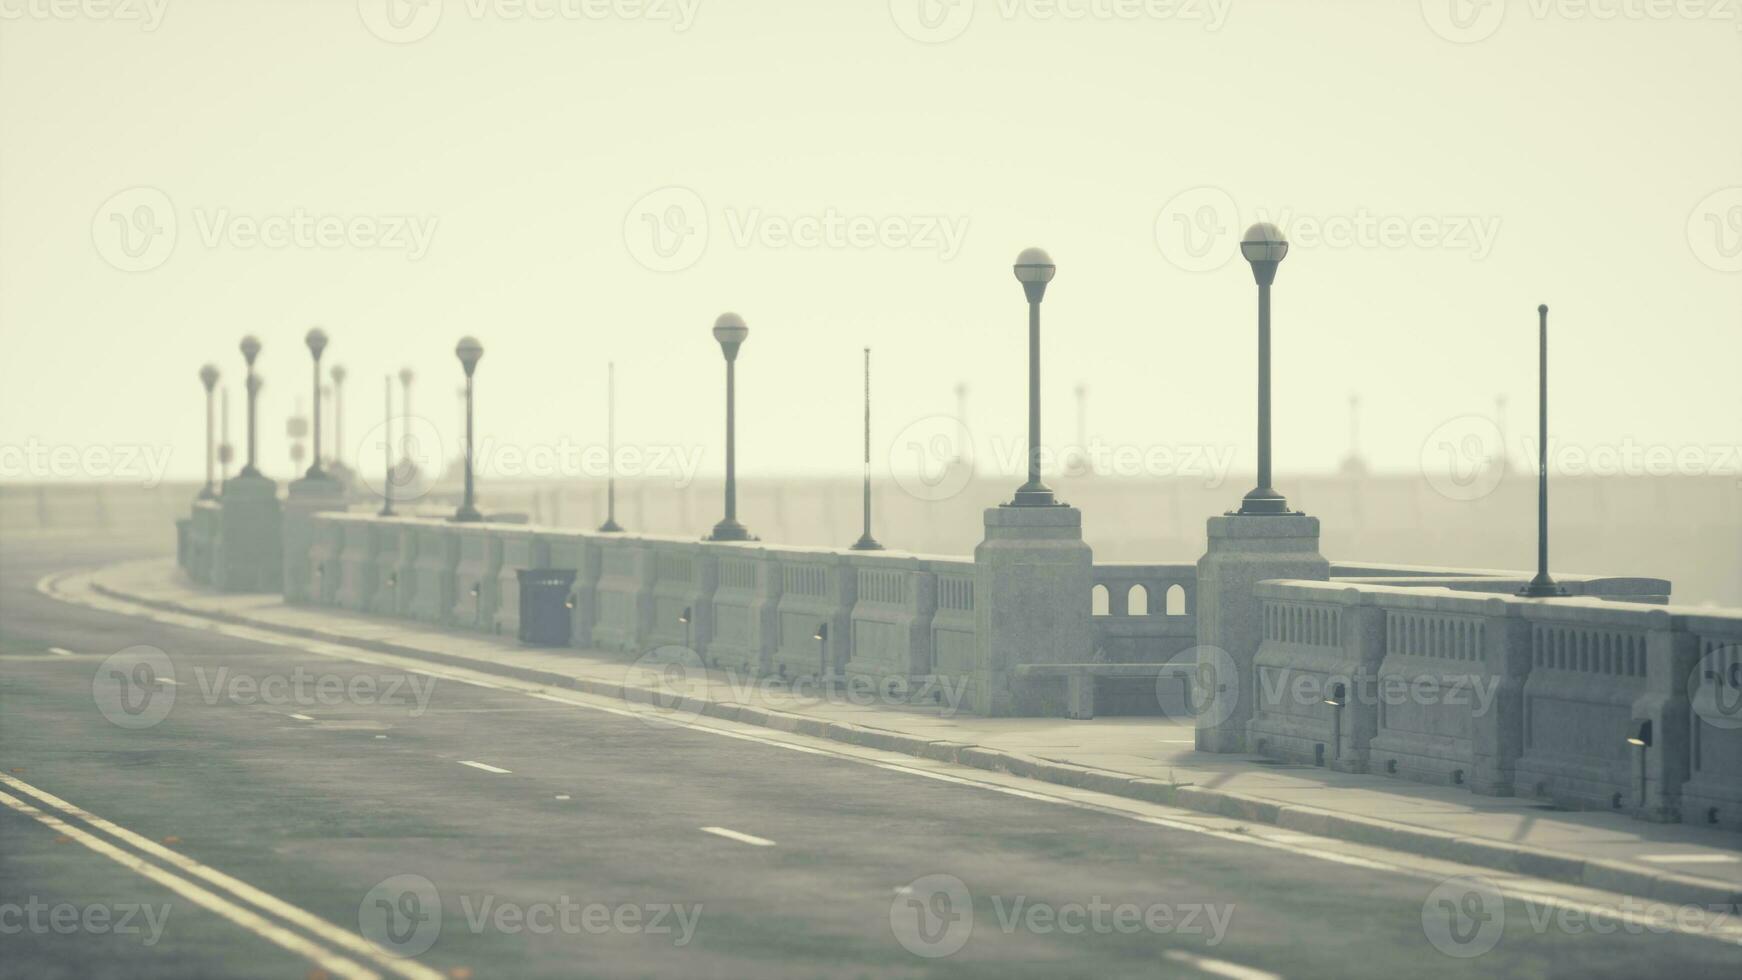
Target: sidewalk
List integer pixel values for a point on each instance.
(1142, 758)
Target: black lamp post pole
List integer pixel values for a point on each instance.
(866, 542)
(1542, 585)
(610, 526)
(1264, 248)
(387, 453)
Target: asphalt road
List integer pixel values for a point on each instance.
(491, 833)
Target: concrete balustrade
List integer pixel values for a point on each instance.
(477, 562)
(746, 625)
(895, 598)
(577, 552)
(1713, 793)
(321, 567)
(1600, 672)
(952, 625)
(1313, 674)
(395, 570)
(818, 588)
(623, 595)
(683, 594)
(203, 540)
(433, 566)
(359, 547)
(518, 551)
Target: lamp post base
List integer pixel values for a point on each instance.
(610, 527)
(1034, 494)
(866, 543)
(1542, 587)
(207, 493)
(1263, 502)
(467, 514)
(730, 530)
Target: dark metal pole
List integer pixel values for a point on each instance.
(1264, 387)
(731, 441)
(211, 449)
(387, 453)
(610, 526)
(253, 392)
(314, 469)
(866, 542)
(224, 422)
(468, 509)
(1034, 394)
(1542, 585)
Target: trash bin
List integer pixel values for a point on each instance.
(544, 606)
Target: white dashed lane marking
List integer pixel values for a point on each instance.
(739, 837)
(486, 767)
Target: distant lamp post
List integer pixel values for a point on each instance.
(226, 452)
(209, 378)
(1542, 586)
(866, 542)
(250, 350)
(610, 526)
(405, 376)
(1034, 269)
(338, 374)
(387, 451)
(1264, 247)
(469, 351)
(316, 339)
(731, 332)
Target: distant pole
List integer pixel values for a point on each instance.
(469, 351)
(610, 526)
(209, 378)
(1354, 426)
(338, 374)
(250, 351)
(866, 542)
(317, 342)
(1542, 585)
(1264, 248)
(225, 451)
(405, 377)
(387, 452)
(1034, 269)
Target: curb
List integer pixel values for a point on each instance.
(1542, 863)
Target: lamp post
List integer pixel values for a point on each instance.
(468, 350)
(316, 339)
(1264, 247)
(250, 351)
(209, 378)
(1034, 269)
(338, 374)
(610, 526)
(731, 332)
(387, 451)
(866, 542)
(226, 452)
(1542, 586)
(405, 376)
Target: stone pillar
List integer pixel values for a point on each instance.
(1032, 579)
(248, 542)
(1243, 551)
(307, 497)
